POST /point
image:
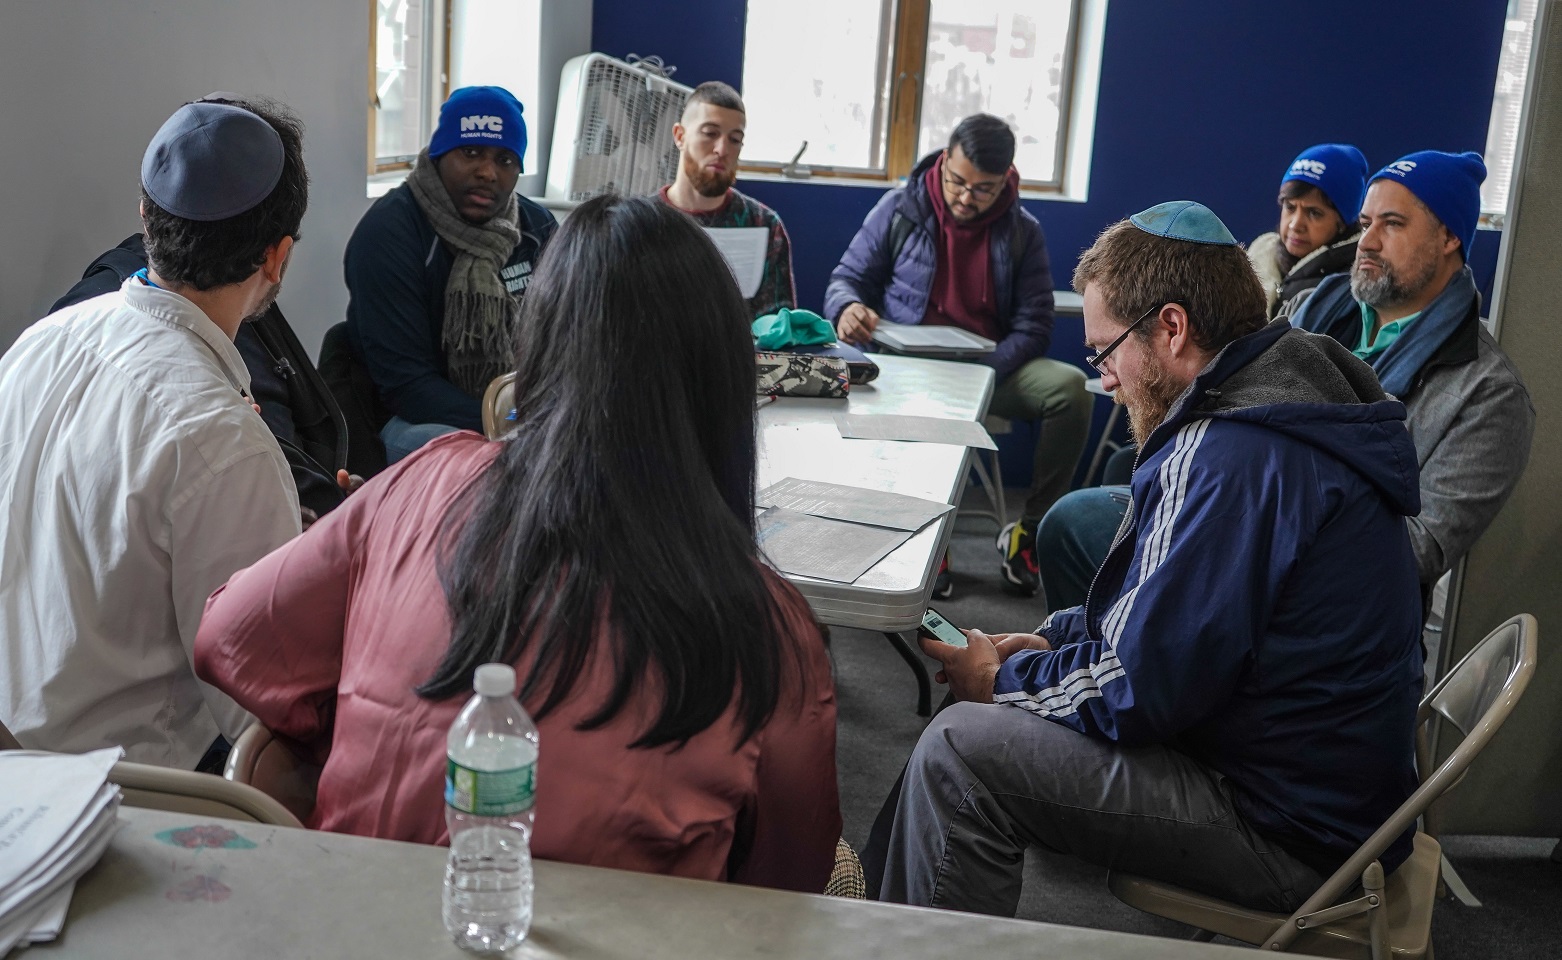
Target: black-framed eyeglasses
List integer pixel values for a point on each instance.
(1101, 355)
(982, 191)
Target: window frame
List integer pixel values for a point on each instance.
(437, 80)
(910, 22)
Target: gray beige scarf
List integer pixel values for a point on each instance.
(479, 330)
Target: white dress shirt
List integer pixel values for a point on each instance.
(135, 478)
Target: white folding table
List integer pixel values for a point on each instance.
(798, 438)
(280, 892)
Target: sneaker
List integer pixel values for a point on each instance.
(944, 585)
(1017, 543)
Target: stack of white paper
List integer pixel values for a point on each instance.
(58, 813)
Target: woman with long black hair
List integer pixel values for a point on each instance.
(606, 548)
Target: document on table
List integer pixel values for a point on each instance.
(744, 249)
(837, 501)
(808, 546)
(57, 816)
(883, 426)
(931, 339)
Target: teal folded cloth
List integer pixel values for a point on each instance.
(791, 328)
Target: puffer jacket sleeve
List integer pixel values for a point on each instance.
(1030, 328)
(866, 266)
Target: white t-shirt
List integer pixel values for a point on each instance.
(135, 478)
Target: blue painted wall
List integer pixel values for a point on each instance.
(1200, 99)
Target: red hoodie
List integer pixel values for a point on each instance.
(963, 294)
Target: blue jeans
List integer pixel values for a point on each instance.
(402, 437)
(1073, 540)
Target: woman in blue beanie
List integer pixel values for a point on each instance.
(1320, 199)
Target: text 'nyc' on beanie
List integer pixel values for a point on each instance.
(479, 117)
(1339, 170)
(1448, 183)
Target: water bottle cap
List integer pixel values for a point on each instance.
(494, 680)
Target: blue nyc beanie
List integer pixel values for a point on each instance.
(1339, 170)
(479, 117)
(1448, 183)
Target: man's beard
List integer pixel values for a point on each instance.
(1150, 399)
(1388, 288)
(707, 183)
(266, 304)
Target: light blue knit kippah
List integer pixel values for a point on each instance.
(1184, 220)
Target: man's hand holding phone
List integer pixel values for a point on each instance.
(970, 668)
(856, 324)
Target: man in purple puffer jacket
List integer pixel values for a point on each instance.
(954, 247)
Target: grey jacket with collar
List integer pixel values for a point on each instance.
(1469, 416)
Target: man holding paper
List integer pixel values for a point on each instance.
(954, 247)
(748, 233)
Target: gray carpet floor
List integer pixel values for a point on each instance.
(1521, 888)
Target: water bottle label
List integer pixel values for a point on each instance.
(490, 793)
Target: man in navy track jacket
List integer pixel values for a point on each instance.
(1232, 709)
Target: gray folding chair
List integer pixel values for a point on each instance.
(1392, 917)
(989, 475)
(198, 794)
(185, 791)
(269, 765)
(498, 401)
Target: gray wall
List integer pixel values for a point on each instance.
(1515, 787)
(87, 82)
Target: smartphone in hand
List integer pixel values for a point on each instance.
(934, 625)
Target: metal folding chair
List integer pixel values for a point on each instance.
(1387, 917)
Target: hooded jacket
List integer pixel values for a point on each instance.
(1259, 610)
(897, 284)
(1467, 409)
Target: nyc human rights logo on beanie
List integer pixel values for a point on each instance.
(1448, 183)
(1339, 170)
(479, 117)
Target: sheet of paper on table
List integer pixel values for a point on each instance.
(808, 546)
(961, 433)
(744, 249)
(837, 501)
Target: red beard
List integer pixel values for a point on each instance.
(1149, 400)
(707, 183)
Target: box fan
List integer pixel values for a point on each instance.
(613, 132)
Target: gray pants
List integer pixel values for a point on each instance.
(987, 781)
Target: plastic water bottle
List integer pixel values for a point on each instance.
(490, 785)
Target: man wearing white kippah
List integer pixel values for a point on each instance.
(136, 476)
(1223, 712)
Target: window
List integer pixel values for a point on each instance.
(407, 84)
(886, 81)
(1502, 136)
(423, 49)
